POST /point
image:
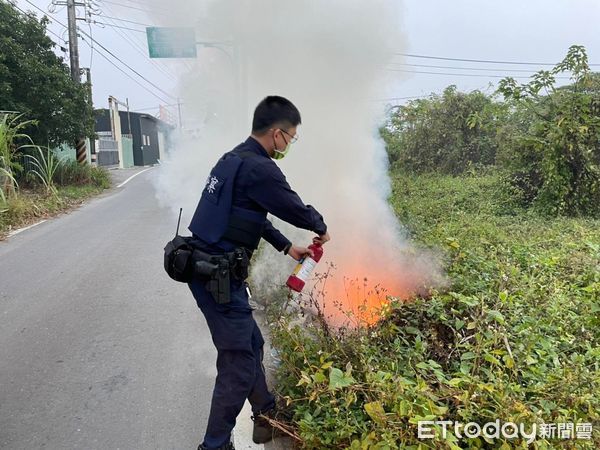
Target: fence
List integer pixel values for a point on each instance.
(107, 152)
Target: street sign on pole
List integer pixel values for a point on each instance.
(174, 42)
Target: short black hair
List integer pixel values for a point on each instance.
(274, 110)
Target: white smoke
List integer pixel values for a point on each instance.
(326, 56)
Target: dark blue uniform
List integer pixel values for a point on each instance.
(259, 187)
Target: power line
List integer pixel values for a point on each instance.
(124, 20)
(134, 7)
(112, 54)
(48, 30)
(486, 69)
(157, 107)
(125, 73)
(134, 2)
(476, 75)
(480, 60)
(395, 99)
(117, 26)
(130, 38)
(127, 65)
(46, 13)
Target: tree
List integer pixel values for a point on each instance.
(557, 161)
(445, 133)
(37, 84)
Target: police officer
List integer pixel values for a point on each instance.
(242, 188)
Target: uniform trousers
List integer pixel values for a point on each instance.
(240, 372)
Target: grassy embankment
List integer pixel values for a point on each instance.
(516, 337)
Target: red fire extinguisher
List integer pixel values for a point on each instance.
(302, 272)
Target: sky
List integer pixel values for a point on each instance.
(509, 30)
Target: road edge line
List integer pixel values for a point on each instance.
(20, 230)
(132, 177)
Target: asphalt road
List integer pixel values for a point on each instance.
(99, 348)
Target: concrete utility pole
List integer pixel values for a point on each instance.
(80, 145)
(179, 111)
(73, 44)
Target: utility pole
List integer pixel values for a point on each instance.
(179, 111)
(73, 44)
(88, 78)
(80, 145)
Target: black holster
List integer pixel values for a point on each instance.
(217, 271)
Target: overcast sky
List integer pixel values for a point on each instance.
(507, 30)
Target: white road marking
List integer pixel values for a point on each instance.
(132, 177)
(20, 230)
(242, 434)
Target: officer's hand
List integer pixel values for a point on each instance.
(321, 239)
(298, 252)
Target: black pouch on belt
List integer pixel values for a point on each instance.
(239, 264)
(177, 259)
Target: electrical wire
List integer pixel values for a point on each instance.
(134, 7)
(444, 58)
(486, 69)
(113, 55)
(476, 75)
(60, 38)
(125, 20)
(45, 13)
(126, 74)
(117, 26)
(130, 38)
(127, 65)
(394, 99)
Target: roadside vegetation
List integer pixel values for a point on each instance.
(34, 183)
(41, 107)
(507, 187)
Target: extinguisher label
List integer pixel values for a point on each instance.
(304, 270)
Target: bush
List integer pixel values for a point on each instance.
(73, 173)
(556, 162)
(448, 133)
(515, 337)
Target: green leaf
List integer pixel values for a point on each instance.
(376, 412)
(455, 381)
(338, 380)
(491, 359)
(496, 316)
(319, 377)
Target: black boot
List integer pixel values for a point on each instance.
(228, 446)
(263, 431)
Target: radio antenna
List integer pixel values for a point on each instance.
(178, 222)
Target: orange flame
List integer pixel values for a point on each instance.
(356, 298)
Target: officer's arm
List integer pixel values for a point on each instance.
(270, 189)
(274, 237)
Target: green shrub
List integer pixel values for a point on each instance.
(516, 336)
(447, 133)
(556, 160)
(73, 173)
(11, 135)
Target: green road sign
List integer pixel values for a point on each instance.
(177, 42)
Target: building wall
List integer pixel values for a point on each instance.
(149, 147)
(143, 130)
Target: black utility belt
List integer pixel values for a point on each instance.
(185, 263)
(217, 270)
